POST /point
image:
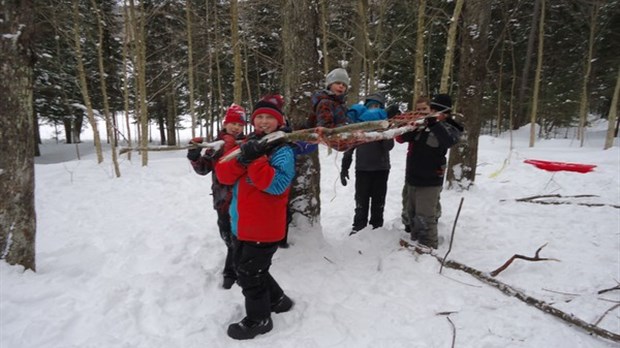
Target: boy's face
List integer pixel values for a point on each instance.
(233, 128)
(338, 88)
(265, 123)
(422, 108)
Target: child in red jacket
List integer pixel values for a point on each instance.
(234, 121)
(261, 176)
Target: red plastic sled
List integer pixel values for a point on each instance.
(558, 166)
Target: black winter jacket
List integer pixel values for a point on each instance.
(426, 161)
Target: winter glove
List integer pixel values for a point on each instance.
(250, 151)
(194, 154)
(344, 175)
(430, 121)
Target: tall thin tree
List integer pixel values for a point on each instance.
(613, 115)
(583, 105)
(418, 82)
(82, 80)
(539, 64)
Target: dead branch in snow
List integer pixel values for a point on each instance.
(510, 291)
(536, 199)
(617, 287)
(606, 312)
(458, 212)
(517, 256)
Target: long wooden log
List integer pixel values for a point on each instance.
(510, 291)
(215, 145)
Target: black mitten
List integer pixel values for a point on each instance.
(193, 154)
(250, 151)
(344, 175)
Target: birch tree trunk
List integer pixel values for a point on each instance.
(126, 38)
(83, 83)
(324, 35)
(446, 72)
(17, 206)
(190, 65)
(234, 29)
(583, 105)
(104, 93)
(539, 62)
(472, 72)
(418, 83)
(301, 74)
(138, 24)
(613, 115)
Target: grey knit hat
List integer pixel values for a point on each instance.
(337, 75)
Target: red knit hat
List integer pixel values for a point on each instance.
(271, 105)
(235, 114)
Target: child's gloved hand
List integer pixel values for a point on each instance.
(250, 151)
(194, 154)
(344, 175)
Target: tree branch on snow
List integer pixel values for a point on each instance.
(606, 312)
(617, 287)
(535, 199)
(510, 291)
(517, 256)
(458, 212)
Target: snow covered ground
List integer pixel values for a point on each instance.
(135, 261)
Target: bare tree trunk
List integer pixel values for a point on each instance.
(17, 206)
(357, 60)
(583, 105)
(190, 66)
(541, 37)
(418, 83)
(139, 36)
(520, 116)
(613, 115)
(324, 34)
(472, 72)
(218, 71)
(104, 92)
(126, 39)
(234, 29)
(83, 83)
(300, 74)
(446, 72)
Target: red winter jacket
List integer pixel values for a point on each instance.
(260, 194)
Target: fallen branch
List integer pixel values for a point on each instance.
(517, 256)
(340, 138)
(606, 312)
(617, 287)
(458, 212)
(510, 291)
(535, 199)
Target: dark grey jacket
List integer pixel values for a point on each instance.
(369, 157)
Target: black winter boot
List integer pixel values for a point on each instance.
(284, 304)
(247, 328)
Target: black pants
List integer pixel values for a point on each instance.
(258, 286)
(223, 223)
(370, 191)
